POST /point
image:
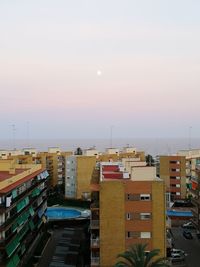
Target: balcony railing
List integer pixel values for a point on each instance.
(195, 179)
(94, 205)
(194, 210)
(94, 242)
(95, 261)
(94, 224)
(195, 201)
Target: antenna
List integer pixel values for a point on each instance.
(189, 141)
(13, 135)
(111, 135)
(28, 133)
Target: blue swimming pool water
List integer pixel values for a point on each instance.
(62, 213)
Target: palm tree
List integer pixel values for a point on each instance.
(136, 256)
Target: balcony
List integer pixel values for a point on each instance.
(195, 201)
(94, 243)
(94, 205)
(194, 210)
(95, 261)
(26, 193)
(195, 179)
(94, 224)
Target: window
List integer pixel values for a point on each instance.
(132, 234)
(174, 161)
(178, 177)
(145, 216)
(178, 193)
(132, 197)
(129, 216)
(145, 197)
(128, 234)
(175, 170)
(145, 235)
(178, 185)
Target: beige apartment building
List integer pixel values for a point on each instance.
(53, 160)
(172, 170)
(80, 168)
(192, 158)
(23, 201)
(127, 208)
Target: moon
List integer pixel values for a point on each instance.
(99, 73)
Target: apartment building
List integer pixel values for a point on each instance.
(192, 158)
(114, 154)
(172, 169)
(79, 169)
(53, 160)
(23, 201)
(127, 208)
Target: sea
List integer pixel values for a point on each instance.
(152, 146)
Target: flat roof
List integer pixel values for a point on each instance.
(4, 175)
(12, 185)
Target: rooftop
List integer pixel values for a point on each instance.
(12, 174)
(113, 170)
(4, 175)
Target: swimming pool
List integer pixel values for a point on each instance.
(61, 213)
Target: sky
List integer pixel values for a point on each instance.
(76, 69)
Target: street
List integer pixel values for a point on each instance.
(191, 247)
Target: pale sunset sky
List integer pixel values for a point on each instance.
(74, 68)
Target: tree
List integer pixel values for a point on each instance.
(136, 256)
(149, 160)
(78, 151)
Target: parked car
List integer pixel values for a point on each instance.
(176, 257)
(179, 251)
(198, 234)
(188, 225)
(187, 234)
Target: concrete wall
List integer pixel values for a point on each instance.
(158, 219)
(112, 224)
(85, 169)
(143, 173)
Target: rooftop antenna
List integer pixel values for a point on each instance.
(189, 141)
(13, 135)
(28, 133)
(111, 136)
(168, 150)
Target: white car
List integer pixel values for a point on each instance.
(179, 251)
(188, 225)
(177, 257)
